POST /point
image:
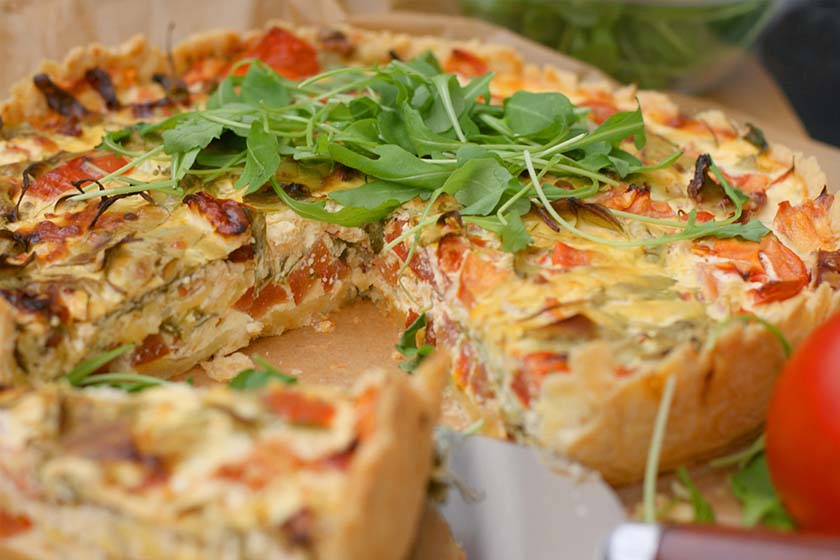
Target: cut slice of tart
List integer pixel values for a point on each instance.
(177, 472)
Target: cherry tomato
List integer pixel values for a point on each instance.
(803, 431)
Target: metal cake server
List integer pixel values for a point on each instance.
(521, 509)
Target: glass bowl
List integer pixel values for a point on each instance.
(679, 44)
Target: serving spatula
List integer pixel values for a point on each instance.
(516, 507)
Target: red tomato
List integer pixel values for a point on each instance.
(803, 431)
(287, 54)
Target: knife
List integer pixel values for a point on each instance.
(515, 506)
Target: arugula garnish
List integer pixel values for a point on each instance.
(755, 136)
(415, 132)
(703, 512)
(84, 369)
(407, 346)
(84, 374)
(754, 489)
(257, 377)
(656, 441)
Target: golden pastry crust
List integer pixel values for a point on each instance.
(25, 103)
(720, 398)
(369, 510)
(390, 474)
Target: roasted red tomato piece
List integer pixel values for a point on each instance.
(289, 55)
(535, 367)
(565, 256)
(636, 200)
(465, 63)
(599, 111)
(12, 524)
(781, 272)
(298, 408)
(807, 226)
(479, 277)
(61, 178)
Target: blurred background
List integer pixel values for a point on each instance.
(694, 46)
(776, 62)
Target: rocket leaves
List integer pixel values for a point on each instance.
(376, 193)
(479, 185)
(262, 161)
(409, 348)
(539, 115)
(190, 133)
(413, 131)
(393, 164)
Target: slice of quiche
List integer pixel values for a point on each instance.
(573, 243)
(179, 472)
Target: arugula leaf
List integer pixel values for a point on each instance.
(755, 136)
(407, 346)
(424, 141)
(82, 370)
(412, 130)
(538, 115)
(262, 85)
(193, 131)
(616, 128)
(263, 158)
(225, 93)
(393, 130)
(754, 489)
(426, 63)
(363, 108)
(183, 162)
(447, 105)
(364, 133)
(129, 382)
(349, 217)
(753, 230)
(513, 234)
(736, 195)
(703, 512)
(393, 164)
(376, 194)
(478, 88)
(479, 185)
(256, 378)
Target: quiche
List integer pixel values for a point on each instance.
(180, 472)
(574, 245)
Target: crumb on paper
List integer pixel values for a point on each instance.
(225, 368)
(325, 326)
(297, 372)
(396, 356)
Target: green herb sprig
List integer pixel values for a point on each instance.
(257, 377)
(407, 346)
(83, 374)
(703, 511)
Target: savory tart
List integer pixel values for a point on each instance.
(179, 472)
(574, 245)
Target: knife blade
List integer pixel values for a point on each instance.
(516, 506)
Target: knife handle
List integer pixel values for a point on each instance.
(637, 541)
